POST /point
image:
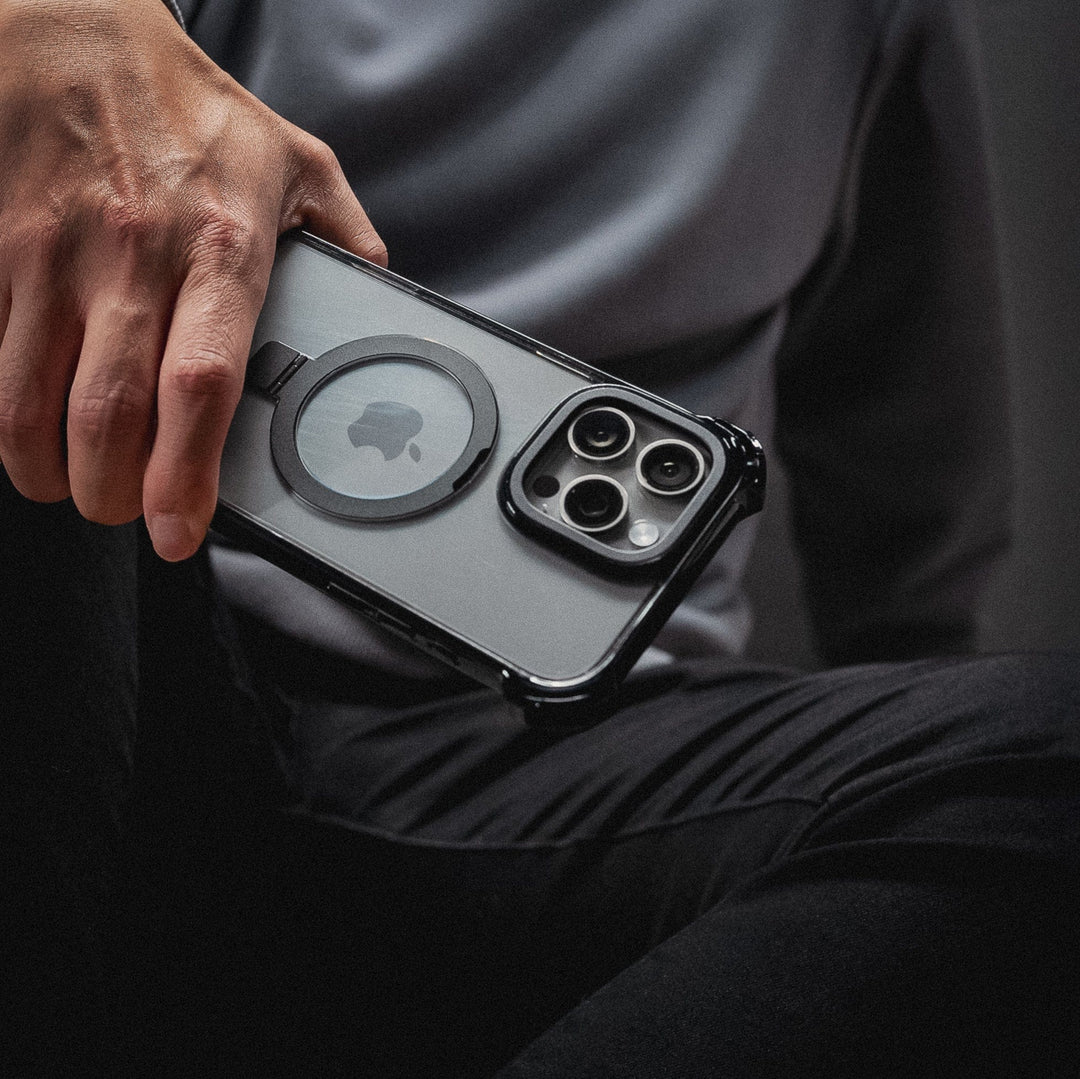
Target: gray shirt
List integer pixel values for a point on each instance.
(775, 211)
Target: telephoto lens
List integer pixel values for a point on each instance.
(670, 467)
(601, 433)
(593, 503)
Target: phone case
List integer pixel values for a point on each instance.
(411, 457)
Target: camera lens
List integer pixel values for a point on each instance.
(670, 467)
(593, 503)
(601, 433)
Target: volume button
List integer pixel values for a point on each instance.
(369, 610)
(350, 599)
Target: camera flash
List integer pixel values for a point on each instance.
(643, 533)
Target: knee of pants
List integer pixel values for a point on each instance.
(984, 765)
(1021, 703)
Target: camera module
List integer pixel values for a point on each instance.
(670, 466)
(601, 433)
(593, 503)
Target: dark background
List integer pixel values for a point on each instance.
(1031, 67)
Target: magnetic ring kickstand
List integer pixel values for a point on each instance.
(376, 429)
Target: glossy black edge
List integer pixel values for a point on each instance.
(315, 372)
(575, 703)
(717, 487)
(466, 314)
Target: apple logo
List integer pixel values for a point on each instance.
(388, 426)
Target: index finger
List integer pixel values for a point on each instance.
(201, 379)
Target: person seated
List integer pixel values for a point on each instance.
(260, 840)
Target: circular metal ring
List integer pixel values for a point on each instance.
(314, 375)
(621, 440)
(680, 445)
(582, 522)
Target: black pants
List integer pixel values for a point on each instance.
(744, 872)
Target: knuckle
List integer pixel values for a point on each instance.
(118, 412)
(33, 240)
(317, 157)
(205, 374)
(129, 220)
(224, 240)
(24, 427)
(132, 320)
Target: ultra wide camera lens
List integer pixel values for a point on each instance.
(593, 503)
(670, 467)
(601, 433)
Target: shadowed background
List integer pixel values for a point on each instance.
(1032, 77)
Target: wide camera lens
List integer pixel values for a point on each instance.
(601, 433)
(593, 503)
(670, 467)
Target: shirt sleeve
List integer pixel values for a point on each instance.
(891, 415)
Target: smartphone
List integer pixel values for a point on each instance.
(512, 511)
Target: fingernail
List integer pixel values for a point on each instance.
(172, 536)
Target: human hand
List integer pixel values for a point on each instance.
(142, 191)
